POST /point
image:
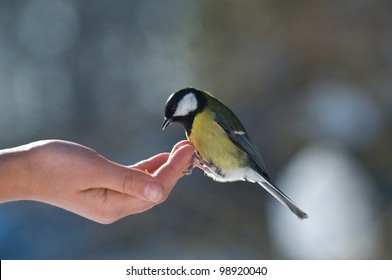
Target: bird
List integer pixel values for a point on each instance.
(222, 144)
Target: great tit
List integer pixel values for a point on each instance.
(222, 145)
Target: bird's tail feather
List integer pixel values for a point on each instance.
(279, 195)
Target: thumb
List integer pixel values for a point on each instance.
(132, 182)
(139, 184)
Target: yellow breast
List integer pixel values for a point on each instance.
(212, 143)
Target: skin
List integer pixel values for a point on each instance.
(77, 178)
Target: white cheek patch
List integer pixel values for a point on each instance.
(186, 105)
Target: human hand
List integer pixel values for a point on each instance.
(80, 180)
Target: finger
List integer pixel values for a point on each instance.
(152, 164)
(178, 162)
(129, 181)
(180, 144)
(195, 160)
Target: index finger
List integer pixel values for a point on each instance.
(152, 164)
(175, 167)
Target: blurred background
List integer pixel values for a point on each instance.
(311, 81)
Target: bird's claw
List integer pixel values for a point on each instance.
(188, 171)
(192, 164)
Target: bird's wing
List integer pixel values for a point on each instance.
(240, 137)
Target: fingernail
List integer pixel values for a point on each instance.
(153, 192)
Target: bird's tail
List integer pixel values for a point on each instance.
(279, 195)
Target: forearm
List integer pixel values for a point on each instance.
(14, 172)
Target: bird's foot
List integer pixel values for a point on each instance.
(194, 162)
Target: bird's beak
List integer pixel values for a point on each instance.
(166, 122)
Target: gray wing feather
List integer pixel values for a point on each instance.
(242, 139)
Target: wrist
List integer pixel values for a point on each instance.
(14, 170)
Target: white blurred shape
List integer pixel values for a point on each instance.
(48, 27)
(337, 193)
(341, 111)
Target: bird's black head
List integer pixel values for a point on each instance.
(182, 107)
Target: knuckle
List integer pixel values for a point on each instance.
(174, 169)
(129, 184)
